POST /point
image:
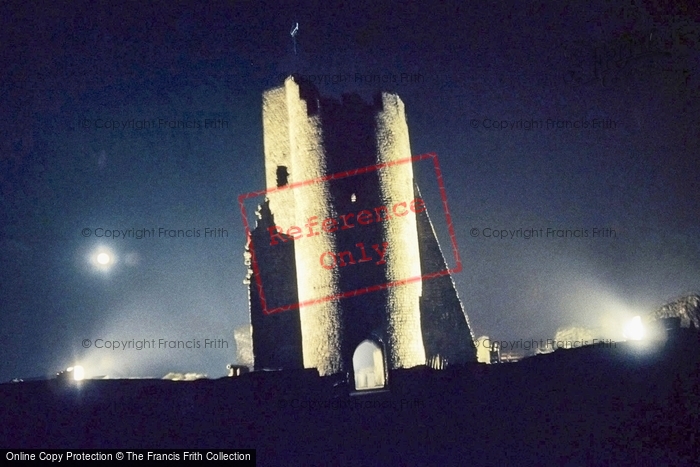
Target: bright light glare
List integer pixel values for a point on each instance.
(102, 259)
(77, 371)
(634, 329)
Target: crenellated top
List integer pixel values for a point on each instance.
(349, 103)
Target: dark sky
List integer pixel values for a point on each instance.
(67, 70)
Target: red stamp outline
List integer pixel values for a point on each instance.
(336, 176)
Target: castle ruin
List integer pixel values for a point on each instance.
(314, 241)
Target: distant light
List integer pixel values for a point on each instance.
(78, 373)
(634, 329)
(72, 373)
(102, 259)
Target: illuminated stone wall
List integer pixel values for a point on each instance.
(243, 335)
(294, 139)
(307, 137)
(687, 308)
(403, 261)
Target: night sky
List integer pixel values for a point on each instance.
(626, 78)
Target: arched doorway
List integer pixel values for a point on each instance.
(368, 366)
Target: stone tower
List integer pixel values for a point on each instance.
(340, 250)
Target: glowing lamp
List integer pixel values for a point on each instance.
(78, 373)
(72, 373)
(634, 329)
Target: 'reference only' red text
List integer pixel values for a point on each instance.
(344, 222)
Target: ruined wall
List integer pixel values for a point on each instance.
(687, 308)
(301, 147)
(243, 335)
(277, 339)
(445, 327)
(349, 139)
(278, 160)
(307, 137)
(403, 261)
